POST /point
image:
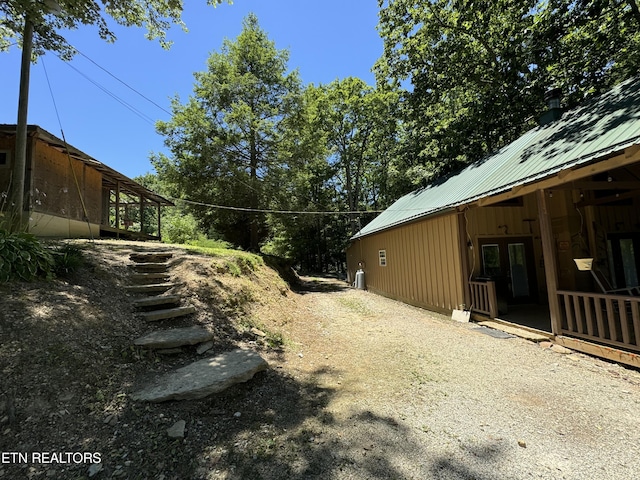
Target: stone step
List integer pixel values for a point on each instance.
(175, 337)
(156, 301)
(518, 332)
(146, 278)
(150, 257)
(150, 267)
(204, 377)
(154, 288)
(156, 315)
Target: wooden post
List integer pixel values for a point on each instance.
(159, 234)
(141, 214)
(464, 259)
(117, 209)
(550, 262)
(493, 299)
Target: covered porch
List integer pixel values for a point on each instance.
(565, 257)
(129, 210)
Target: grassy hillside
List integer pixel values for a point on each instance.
(68, 363)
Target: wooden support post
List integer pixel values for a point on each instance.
(159, 234)
(464, 259)
(493, 299)
(141, 214)
(550, 262)
(117, 209)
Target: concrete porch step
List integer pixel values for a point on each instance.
(156, 315)
(154, 288)
(150, 257)
(204, 377)
(175, 337)
(156, 301)
(146, 278)
(149, 267)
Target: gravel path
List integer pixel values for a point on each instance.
(412, 394)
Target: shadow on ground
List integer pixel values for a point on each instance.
(68, 367)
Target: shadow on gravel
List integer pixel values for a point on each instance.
(447, 468)
(317, 284)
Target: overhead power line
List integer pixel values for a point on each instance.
(114, 96)
(123, 82)
(281, 212)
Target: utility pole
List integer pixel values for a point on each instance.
(20, 161)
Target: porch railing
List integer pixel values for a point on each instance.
(609, 319)
(483, 298)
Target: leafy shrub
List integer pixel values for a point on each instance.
(180, 227)
(23, 257)
(67, 259)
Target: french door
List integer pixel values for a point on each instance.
(509, 261)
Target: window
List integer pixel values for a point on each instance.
(382, 258)
(4, 158)
(624, 260)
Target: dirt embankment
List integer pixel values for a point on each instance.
(359, 387)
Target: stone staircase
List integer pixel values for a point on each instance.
(201, 378)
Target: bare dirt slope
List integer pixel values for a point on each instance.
(359, 387)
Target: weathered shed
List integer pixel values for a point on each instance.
(69, 194)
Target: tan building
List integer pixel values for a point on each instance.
(544, 232)
(69, 194)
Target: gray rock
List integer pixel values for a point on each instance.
(258, 332)
(204, 347)
(169, 351)
(177, 430)
(94, 469)
(174, 337)
(204, 377)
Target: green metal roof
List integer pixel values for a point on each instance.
(603, 126)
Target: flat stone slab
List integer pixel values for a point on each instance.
(154, 288)
(147, 278)
(156, 301)
(150, 257)
(204, 377)
(518, 332)
(174, 337)
(150, 267)
(167, 313)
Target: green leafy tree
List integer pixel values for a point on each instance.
(177, 224)
(225, 142)
(358, 123)
(49, 17)
(345, 138)
(475, 72)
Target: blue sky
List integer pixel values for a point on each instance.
(326, 40)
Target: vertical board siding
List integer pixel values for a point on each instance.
(423, 263)
(54, 188)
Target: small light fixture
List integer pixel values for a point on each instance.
(609, 179)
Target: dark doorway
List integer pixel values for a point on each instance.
(509, 261)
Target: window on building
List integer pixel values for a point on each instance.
(382, 258)
(4, 158)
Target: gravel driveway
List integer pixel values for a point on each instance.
(413, 394)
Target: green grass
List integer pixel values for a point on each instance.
(236, 262)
